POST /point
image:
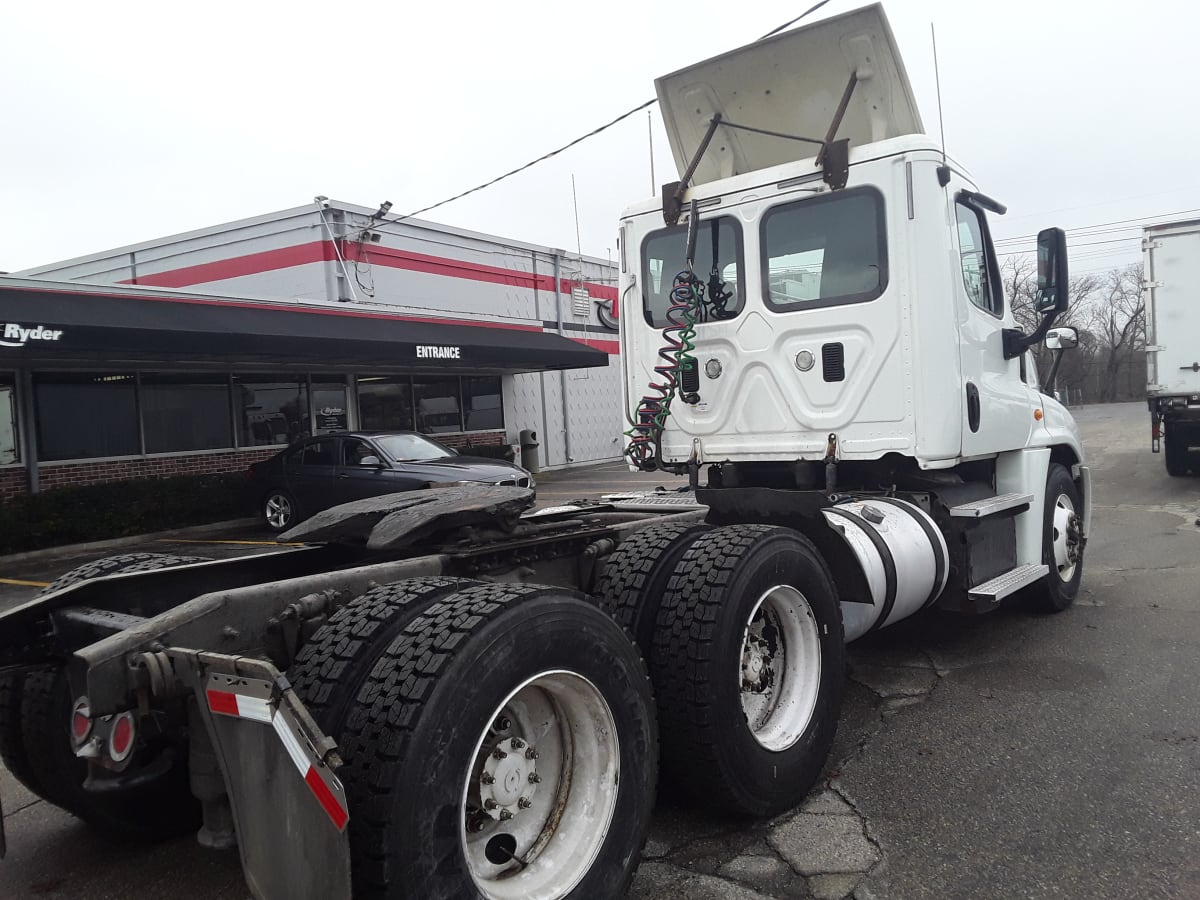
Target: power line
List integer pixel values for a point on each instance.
(542, 158)
(1083, 229)
(581, 138)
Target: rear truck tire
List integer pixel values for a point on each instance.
(748, 669)
(27, 741)
(503, 747)
(279, 510)
(635, 575)
(1175, 453)
(1062, 546)
(113, 565)
(332, 666)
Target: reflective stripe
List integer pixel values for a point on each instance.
(294, 750)
(257, 709)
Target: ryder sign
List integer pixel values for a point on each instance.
(15, 335)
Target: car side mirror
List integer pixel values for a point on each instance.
(372, 462)
(1052, 271)
(1062, 338)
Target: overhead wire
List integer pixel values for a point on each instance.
(581, 138)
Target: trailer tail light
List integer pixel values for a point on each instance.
(81, 722)
(121, 737)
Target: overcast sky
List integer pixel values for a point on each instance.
(127, 121)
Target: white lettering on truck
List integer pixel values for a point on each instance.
(426, 352)
(18, 336)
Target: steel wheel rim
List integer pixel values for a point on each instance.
(1063, 526)
(557, 782)
(780, 667)
(279, 511)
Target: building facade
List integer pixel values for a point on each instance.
(206, 351)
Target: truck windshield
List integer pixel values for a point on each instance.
(824, 251)
(662, 260)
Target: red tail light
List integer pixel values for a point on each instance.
(81, 721)
(121, 738)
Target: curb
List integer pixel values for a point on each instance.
(68, 549)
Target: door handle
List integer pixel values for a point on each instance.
(343, 475)
(972, 407)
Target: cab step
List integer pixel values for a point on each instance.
(1010, 582)
(989, 506)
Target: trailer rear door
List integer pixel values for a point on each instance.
(1172, 273)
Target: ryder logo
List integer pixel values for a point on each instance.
(18, 336)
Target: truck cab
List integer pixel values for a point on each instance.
(848, 329)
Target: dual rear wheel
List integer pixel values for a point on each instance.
(499, 741)
(742, 631)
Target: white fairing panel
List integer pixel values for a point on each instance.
(791, 83)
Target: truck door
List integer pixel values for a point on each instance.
(997, 406)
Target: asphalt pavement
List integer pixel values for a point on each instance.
(1013, 755)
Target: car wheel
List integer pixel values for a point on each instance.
(279, 510)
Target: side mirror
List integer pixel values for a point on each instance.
(371, 462)
(1062, 338)
(1052, 271)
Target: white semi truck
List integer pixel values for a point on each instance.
(442, 696)
(1171, 269)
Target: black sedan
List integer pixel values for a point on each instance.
(324, 471)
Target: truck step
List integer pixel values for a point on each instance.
(989, 506)
(1011, 581)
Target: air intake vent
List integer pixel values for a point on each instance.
(833, 361)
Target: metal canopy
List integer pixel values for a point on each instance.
(73, 324)
(790, 84)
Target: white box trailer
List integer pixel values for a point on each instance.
(1171, 258)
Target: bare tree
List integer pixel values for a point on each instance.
(1118, 319)
(1018, 275)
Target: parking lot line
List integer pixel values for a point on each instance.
(251, 543)
(24, 583)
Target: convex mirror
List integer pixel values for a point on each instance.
(1062, 338)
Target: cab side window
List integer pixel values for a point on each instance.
(978, 277)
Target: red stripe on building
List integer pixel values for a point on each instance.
(223, 702)
(325, 797)
(239, 266)
(323, 251)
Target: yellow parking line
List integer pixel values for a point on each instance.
(251, 543)
(24, 583)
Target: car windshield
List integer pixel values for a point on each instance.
(408, 447)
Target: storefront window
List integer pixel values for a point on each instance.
(385, 404)
(9, 453)
(437, 404)
(482, 402)
(185, 412)
(81, 416)
(329, 406)
(271, 410)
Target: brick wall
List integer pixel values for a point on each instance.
(14, 482)
(476, 438)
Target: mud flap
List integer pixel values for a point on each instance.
(289, 808)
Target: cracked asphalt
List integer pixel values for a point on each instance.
(1012, 755)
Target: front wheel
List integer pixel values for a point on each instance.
(279, 510)
(503, 747)
(1062, 541)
